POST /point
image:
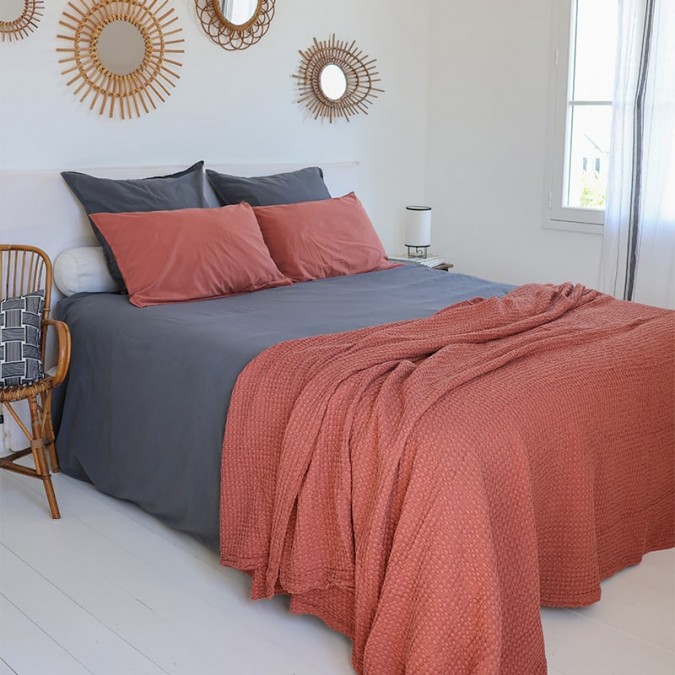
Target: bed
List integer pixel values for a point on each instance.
(419, 458)
(165, 454)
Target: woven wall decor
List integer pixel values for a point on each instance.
(359, 79)
(233, 36)
(24, 24)
(148, 83)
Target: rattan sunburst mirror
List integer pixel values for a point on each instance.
(235, 24)
(336, 79)
(19, 18)
(121, 54)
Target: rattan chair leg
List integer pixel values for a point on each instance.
(49, 430)
(40, 457)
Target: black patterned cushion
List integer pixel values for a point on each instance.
(20, 332)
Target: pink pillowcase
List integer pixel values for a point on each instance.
(327, 238)
(189, 254)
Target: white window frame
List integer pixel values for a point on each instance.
(557, 216)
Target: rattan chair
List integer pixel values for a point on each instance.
(26, 269)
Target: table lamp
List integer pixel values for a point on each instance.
(418, 230)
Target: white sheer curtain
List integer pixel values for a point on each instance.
(638, 261)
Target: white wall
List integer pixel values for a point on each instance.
(485, 114)
(487, 142)
(237, 108)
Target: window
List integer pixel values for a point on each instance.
(584, 60)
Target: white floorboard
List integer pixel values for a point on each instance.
(108, 589)
(29, 649)
(5, 669)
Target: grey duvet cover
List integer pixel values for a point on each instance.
(143, 411)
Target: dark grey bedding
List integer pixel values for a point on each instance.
(143, 411)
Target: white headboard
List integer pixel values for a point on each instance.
(37, 208)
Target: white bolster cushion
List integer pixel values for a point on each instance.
(83, 270)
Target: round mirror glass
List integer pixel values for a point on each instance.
(11, 10)
(121, 48)
(239, 12)
(333, 82)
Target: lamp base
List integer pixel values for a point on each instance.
(417, 251)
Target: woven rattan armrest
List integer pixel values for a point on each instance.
(63, 334)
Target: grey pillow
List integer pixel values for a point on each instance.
(305, 185)
(182, 190)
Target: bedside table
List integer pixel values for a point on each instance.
(435, 262)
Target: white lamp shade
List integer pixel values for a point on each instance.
(418, 226)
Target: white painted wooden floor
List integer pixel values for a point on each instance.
(109, 590)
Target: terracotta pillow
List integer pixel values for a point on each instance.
(189, 254)
(182, 190)
(327, 238)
